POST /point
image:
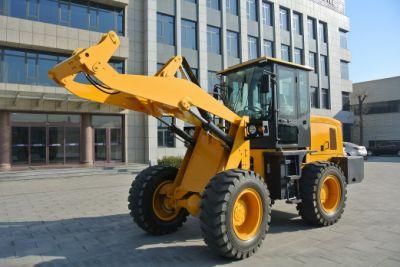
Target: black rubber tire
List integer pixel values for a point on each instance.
(141, 201)
(216, 213)
(310, 183)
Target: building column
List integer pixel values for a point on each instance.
(5, 141)
(86, 139)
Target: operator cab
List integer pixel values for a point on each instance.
(275, 96)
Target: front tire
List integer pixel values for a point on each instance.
(146, 201)
(235, 213)
(323, 193)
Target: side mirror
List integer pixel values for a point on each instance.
(265, 83)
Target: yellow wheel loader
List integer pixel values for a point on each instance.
(254, 143)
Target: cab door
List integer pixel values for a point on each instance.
(293, 108)
(287, 107)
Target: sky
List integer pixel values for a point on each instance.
(374, 39)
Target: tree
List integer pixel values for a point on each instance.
(361, 99)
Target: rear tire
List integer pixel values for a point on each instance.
(235, 213)
(151, 217)
(323, 193)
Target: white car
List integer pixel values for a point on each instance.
(354, 150)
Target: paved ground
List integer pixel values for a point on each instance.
(85, 222)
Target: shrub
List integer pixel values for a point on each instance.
(173, 161)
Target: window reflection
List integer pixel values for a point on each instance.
(75, 13)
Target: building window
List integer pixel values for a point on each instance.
(253, 47)
(165, 29)
(311, 28)
(313, 61)
(31, 67)
(324, 65)
(212, 80)
(232, 43)
(346, 101)
(268, 48)
(343, 38)
(344, 70)
(284, 19)
(285, 52)
(214, 4)
(252, 10)
(232, 7)
(189, 38)
(166, 137)
(192, 1)
(322, 32)
(213, 40)
(298, 56)
(314, 97)
(297, 23)
(326, 102)
(85, 15)
(267, 13)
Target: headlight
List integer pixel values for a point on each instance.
(252, 129)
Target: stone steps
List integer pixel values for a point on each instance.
(16, 175)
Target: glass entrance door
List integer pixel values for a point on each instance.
(116, 144)
(38, 145)
(108, 144)
(20, 145)
(100, 144)
(56, 144)
(72, 144)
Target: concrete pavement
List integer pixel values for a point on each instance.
(84, 221)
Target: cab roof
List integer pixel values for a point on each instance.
(264, 59)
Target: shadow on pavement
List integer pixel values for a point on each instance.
(116, 241)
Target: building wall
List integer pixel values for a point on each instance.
(141, 53)
(383, 126)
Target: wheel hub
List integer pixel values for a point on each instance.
(162, 204)
(247, 214)
(330, 194)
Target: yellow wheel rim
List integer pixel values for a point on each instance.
(247, 214)
(330, 194)
(160, 206)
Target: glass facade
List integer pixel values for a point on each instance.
(311, 28)
(284, 19)
(346, 101)
(285, 52)
(326, 101)
(188, 34)
(297, 23)
(165, 29)
(343, 38)
(86, 15)
(314, 97)
(232, 43)
(232, 7)
(268, 48)
(298, 56)
(324, 65)
(313, 61)
(213, 40)
(214, 4)
(31, 67)
(166, 138)
(267, 13)
(212, 80)
(344, 70)
(253, 47)
(322, 32)
(251, 10)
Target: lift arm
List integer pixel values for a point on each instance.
(154, 95)
(212, 149)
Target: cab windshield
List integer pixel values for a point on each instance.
(244, 95)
